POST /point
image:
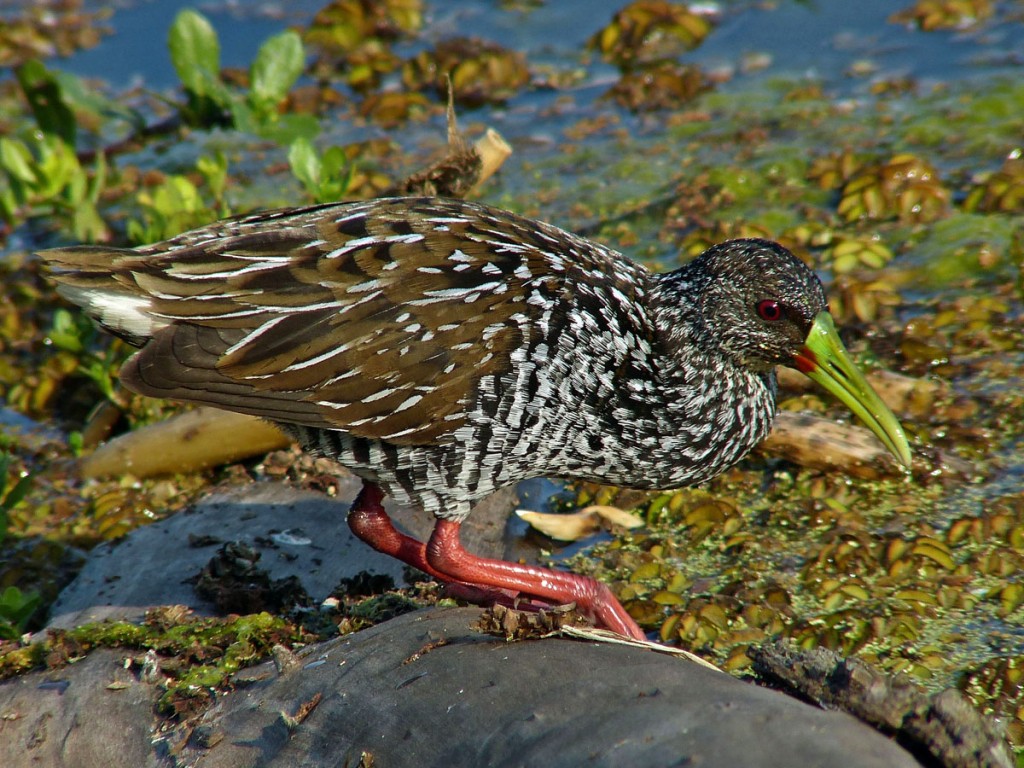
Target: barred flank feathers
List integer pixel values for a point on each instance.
(444, 349)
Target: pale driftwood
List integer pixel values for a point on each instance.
(493, 151)
(820, 443)
(190, 441)
(578, 525)
(903, 394)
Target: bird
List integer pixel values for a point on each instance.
(442, 349)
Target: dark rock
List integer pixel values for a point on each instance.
(155, 565)
(92, 713)
(428, 689)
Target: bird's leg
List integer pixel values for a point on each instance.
(370, 523)
(446, 555)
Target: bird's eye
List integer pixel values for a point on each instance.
(770, 310)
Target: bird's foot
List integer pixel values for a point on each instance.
(592, 598)
(477, 594)
(371, 523)
(483, 581)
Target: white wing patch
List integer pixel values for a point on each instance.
(116, 310)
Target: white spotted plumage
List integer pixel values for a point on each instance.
(444, 349)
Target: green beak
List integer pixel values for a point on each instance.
(824, 360)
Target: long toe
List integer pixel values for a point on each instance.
(592, 598)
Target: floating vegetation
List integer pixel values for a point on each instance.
(354, 37)
(392, 108)
(849, 253)
(999, 683)
(1001, 191)
(903, 187)
(644, 40)
(481, 71)
(944, 14)
(650, 30)
(664, 85)
(50, 28)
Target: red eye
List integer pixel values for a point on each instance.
(770, 310)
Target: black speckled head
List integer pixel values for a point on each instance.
(753, 304)
(753, 300)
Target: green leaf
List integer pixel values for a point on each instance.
(278, 64)
(8, 206)
(168, 210)
(5, 464)
(243, 118)
(82, 98)
(177, 197)
(57, 166)
(87, 223)
(325, 177)
(101, 375)
(10, 498)
(305, 164)
(16, 607)
(46, 100)
(99, 178)
(76, 189)
(335, 162)
(215, 171)
(17, 493)
(195, 52)
(65, 334)
(337, 175)
(17, 161)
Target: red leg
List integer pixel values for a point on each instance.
(446, 555)
(371, 523)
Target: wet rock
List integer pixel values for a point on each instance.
(429, 689)
(296, 533)
(426, 689)
(92, 713)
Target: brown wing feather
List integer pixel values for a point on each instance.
(376, 318)
(364, 346)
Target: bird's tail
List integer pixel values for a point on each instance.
(100, 280)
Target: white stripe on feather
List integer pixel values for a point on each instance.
(116, 310)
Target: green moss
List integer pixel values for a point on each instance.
(194, 655)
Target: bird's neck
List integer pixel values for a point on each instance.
(676, 313)
(714, 409)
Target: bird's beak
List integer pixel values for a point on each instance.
(824, 360)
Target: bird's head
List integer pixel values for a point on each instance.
(760, 306)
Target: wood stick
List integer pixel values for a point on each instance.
(188, 442)
(819, 443)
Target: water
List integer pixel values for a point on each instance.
(819, 40)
